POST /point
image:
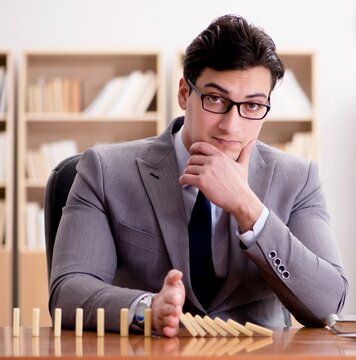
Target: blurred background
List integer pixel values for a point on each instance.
(325, 29)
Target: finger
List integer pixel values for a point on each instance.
(173, 277)
(173, 299)
(170, 310)
(193, 169)
(170, 332)
(190, 179)
(197, 160)
(246, 152)
(170, 326)
(202, 148)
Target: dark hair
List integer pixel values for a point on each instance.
(230, 43)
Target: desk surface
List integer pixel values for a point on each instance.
(285, 344)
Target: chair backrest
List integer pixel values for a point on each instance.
(57, 189)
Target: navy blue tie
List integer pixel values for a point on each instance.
(202, 272)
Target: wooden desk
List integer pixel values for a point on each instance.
(285, 344)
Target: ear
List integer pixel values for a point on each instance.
(183, 93)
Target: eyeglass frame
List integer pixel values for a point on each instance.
(230, 106)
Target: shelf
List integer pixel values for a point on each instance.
(289, 120)
(82, 117)
(36, 184)
(7, 191)
(52, 125)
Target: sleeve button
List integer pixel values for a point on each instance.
(281, 268)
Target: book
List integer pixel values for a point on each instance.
(58, 95)
(341, 324)
(3, 93)
(32, 209)
(40, 162)
(149, 89)
(129, 95)
(75, 95)
(106, 97)
(127, 100)
(288, 99)
(2, 156)
(301, 144)
(2, 223)
(34, 226)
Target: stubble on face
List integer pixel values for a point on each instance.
(228, 132)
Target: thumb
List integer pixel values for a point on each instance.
(246, 152)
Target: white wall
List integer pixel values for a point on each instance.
(326, 27)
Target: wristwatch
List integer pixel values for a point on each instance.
(143, 304)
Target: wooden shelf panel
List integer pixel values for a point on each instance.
(35, 184)
(289, 120)
(33, 286)
(5, 286)
(282, 131)
(302, 66)
(89, 134)
(7, 192)
(93, 70)
(82, 117)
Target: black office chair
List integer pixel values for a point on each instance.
(57, 189)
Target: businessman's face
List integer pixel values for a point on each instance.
(229, 132)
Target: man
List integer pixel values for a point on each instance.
(131, 235)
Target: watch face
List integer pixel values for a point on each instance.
(140, 312)
(143, 304)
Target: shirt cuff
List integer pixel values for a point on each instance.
(132, 308)
(248, 238)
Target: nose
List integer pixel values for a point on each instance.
(231, 121)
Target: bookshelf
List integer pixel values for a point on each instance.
(291, 123)
(6, 184)
(45, 79)
(292, 127)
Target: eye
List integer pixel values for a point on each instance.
(215, 99)
(252, 106)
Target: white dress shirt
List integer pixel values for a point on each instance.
(219, 218)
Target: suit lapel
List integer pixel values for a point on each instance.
(260, 177)
(159, 173)
(260, 174)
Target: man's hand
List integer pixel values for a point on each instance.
(224, 181)
(168, 303)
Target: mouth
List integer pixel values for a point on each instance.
(226, 142)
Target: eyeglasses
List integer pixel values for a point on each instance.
(219, 105)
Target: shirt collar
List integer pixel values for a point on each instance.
(182, 154)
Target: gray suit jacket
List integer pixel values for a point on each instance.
(124, 227)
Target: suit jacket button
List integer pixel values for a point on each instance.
(272, 254)
(277, 261)
(281, 268)
(285, 275)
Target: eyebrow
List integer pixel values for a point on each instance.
(227, 92)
